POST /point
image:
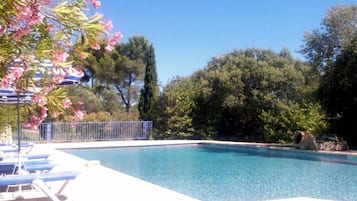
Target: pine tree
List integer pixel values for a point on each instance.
(150, 92)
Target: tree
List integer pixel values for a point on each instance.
(176, 109)
(243, 95)
(121, 70)
(338, 94)
(148, 104)
(250, 95)
(132, 67)
(91, 102)
(33, 31)
(332, 50)
(339, 27)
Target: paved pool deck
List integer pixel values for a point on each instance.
(96, 182)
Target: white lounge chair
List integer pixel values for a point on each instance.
(38, 181)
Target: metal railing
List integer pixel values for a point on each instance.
(87, 131)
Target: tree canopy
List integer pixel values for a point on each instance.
(149, 94)
(121, 70)
(339, 28)
(332, 50)
(247, 94)
(338, 94)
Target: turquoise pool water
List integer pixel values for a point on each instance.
(224, 173)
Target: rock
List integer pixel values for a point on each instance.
(328, 137)
(331, 142)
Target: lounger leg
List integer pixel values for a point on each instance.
(40, 185)
(62, 187)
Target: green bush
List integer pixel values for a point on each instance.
(280, 124)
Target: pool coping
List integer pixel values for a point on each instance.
(139, 143)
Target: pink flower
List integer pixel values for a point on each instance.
(109, 47)
(114, 40)
(108, 24)
(36, 16)
(78, 115)
(19, 33)
(39, 99)
(59, 56)
(49, 88)
(4, 84)
(67, 103)
(34, 19)
(23, 12)
(96, 46)
(14, 75)
(33, 122)
(100, 15)
(7, 81)
(79, 103)
(56, 114)
(2, 30)
(96, 3)
(43, 112)
(17, 73)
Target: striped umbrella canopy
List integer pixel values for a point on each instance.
(9, 96)
(44, 69)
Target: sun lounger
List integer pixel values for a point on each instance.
(25, 156)
(8, 149)
(22, 144)
(38, 181)
(38, 167)
(11, 167)
(36, 156)
(13, 148)
(29, 178)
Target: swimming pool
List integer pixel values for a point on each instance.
(215, 172)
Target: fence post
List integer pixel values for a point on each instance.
(48, 131)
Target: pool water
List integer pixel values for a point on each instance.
(212, 173)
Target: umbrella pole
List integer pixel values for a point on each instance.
(18, 139)
(18, 124)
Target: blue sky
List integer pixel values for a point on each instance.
(186, 34)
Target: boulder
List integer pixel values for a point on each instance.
(331, 142)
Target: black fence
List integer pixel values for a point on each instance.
(87, 131)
